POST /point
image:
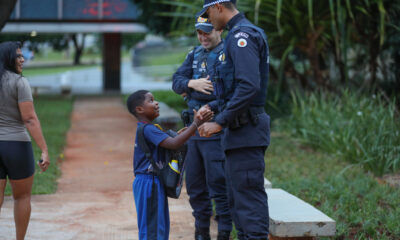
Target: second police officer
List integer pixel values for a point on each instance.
(205, 178)
(242, 88)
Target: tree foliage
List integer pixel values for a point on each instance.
(315, 44)
(151, 15)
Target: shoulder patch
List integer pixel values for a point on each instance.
(241, 34)
(242, 42)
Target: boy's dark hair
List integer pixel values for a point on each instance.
(136, 99)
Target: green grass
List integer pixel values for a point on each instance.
(363, 130)
(171, 99)
(29, 72)
(57, 56)
(54, 115)
(162, 56)
(362, 208)
(51, 56)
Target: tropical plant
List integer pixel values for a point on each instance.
(361, 130)
(151, 15)
(315, 44)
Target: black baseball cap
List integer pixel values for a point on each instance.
(209, 3)
(203, 24)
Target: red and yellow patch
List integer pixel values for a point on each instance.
(242, 42)
(202, 20)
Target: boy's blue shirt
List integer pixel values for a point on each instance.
(153, 136)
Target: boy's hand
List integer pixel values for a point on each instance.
(203, 115)
(204, 110)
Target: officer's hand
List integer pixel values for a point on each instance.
(203, 85)
(209, 128)
(184, 95)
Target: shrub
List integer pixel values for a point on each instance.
(362, 130)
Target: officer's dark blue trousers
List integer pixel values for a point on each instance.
(248, 200)
(205, 180)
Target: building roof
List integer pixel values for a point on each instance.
(74, 16)
(64, 27)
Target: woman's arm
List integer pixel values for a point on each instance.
(32, 123)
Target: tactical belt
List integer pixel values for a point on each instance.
(257, 110)
(244, 118)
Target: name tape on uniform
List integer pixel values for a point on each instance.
(241, 34)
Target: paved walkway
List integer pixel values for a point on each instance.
(94, 198)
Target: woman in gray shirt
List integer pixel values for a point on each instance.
(17, 118)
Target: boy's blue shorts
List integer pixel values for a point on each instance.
(151, 207)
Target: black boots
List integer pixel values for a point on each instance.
(202, 234)
(223, 235)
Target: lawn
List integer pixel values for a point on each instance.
(165, 56)
(362, 206)
(29, 72)
(60, 56)
(54, 115)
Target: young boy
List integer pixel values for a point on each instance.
(150, 199)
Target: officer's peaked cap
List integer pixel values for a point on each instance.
(209, 3)
(203, 24)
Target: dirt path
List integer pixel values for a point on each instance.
(94, 198)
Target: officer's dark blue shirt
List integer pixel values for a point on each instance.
(191, 69)
(198, 64)
(246, 59)
(153, 136)
(242, 86)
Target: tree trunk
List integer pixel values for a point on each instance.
(77, 56)
(374, 50)
(311, 49)
(78, 48)
(315, 65)
(302, 77)
(6, 8)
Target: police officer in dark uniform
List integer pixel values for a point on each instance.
(205, 177)
(242, 90)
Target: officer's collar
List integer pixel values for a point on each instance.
(234, 20)
(215, 49)
(219, 47)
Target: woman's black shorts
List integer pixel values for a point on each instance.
(16, 160)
